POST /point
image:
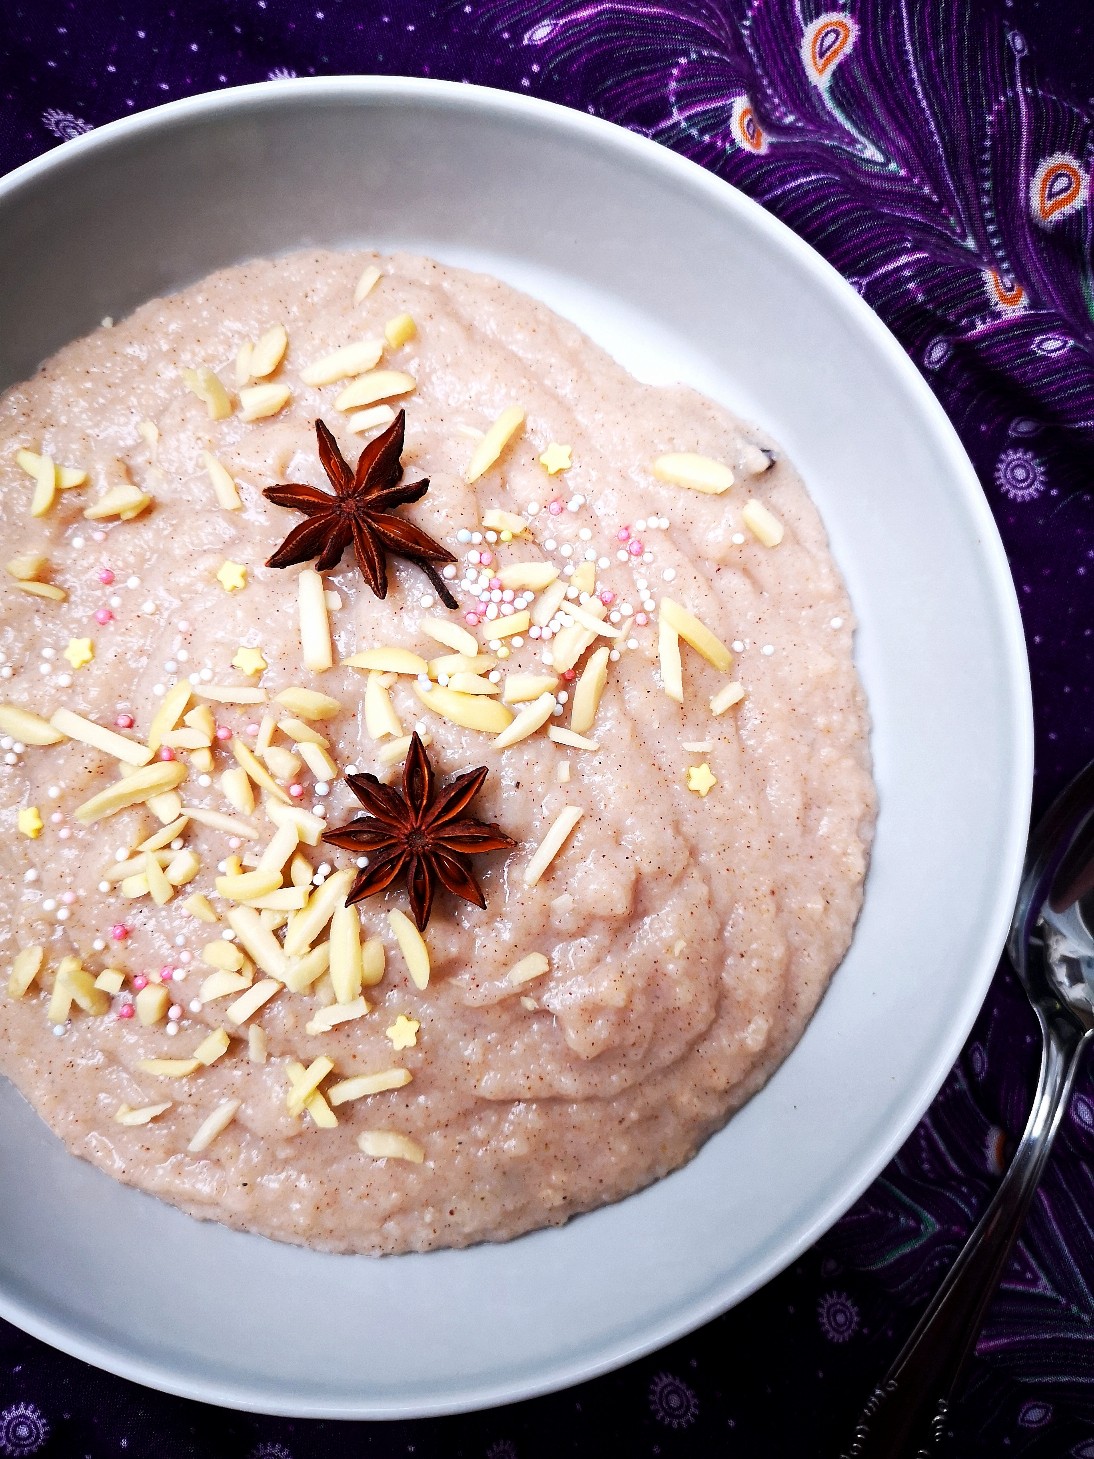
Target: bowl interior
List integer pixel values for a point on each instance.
(681, 278)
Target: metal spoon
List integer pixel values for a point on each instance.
(1051, 946)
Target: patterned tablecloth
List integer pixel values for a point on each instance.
(939, 153)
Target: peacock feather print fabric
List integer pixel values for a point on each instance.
(940, 154)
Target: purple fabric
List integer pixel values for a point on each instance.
(939, 153)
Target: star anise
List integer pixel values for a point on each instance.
(361, 512)
(419, 832)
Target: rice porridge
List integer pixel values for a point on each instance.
(435, 780)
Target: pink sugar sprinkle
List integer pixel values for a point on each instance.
(486, 558)
(507, 595)
(119, 932)
(124, 721)
(641, 619)
(472, 619)
(252, 729)
(103, 615)
(623, 535)
(607, 597)
(165, 752)
(68, 898)
(555, 508)
(296, 791)
(106, 577)
(223, 732)
(636, 549)
(140, 981)
(175, 1011)
(495, 583)
(166, 974)
(125, 1011)
(569, 675)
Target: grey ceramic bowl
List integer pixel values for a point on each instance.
(681, 277)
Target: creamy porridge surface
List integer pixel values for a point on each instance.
(582, 1034)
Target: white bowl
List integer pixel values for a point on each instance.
(682, 278)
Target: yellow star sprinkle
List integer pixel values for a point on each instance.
(80, 651)
(30, 822)
(556, 458)
(701, 780)
(231, 576)
(403, 1033)
(249, 661)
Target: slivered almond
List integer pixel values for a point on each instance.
(214, 1125)
(182, 868)
(67, 476)
(361, 1085)
(248, 1004)
(400, 330)
(25, 967)
(668, 654)
(151, 1004)
(223, 955)
(470, 711)
(111, 981)
(532, 575)
(200, 907)
(307, 1082)
(373, 958)
(552, 843)
(692, 631)
(530, 719)
(125, 501)
(380, 716)
(306, 970)
(395, 750)
(224, 487)
(283, 899)
(494, 442)
(217, 821)
(583, 577)
(259, 401)
(27, 566)
(166, 806)
(248, 885)
(147, 781)
(567, 737)
(186, 739)
(223, 984)
(548, 603)
(315, 639)
(301, 871)
(532, 966)
(472, 684)
(366, 283)
(698, 473)
(207, 387)
(278, 850)
(168, 1068)
(30, 728)
(388, 1145)
(412, 946)
(159, 887)
(726, 697)
(159, 839)
(448, 664)
(169, 713)
(309, 703)
(243, 362)
(309, 828)
(238, 790)
(337, 1013)
(268, 352)
(130, 752)
(42, 590)
(388, 661)
(590, 618)
(126, 1115)
(507, 627)
(256, 1043)
(341, 364)
(281, 762)
(306, 926)
(375, 386)
(257, 771)
(520, 688)
(301, 733)
(45, 486)
(345, 954)
(497, 520)
(587, 691)
(323, 1117)
(372, 419)
(763, 525)
(258, 941)
(318, 761)
(231, 693)
(443, 630)
(212, 1047)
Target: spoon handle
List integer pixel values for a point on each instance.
(906, 1413)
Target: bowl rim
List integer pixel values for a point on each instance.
(270, 95)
